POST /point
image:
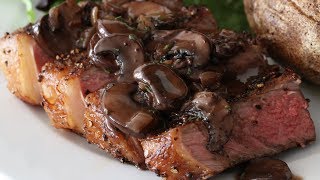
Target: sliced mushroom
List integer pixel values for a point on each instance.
(213, 110)
(145, 8)
(107, 26)
(200, 19)
(121, 50)
(196, 43)
(226, 43)
(115, 2)
(113, 7)
(172, 4)
(102, 30)
(210, 79)
(150, 15)
(165, 85)
(126, 114)
(188, 47)
(62, 24)
(85, 38)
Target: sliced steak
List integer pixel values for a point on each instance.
(271, 119)
(64, 84)
(155, 84)
(21, 59)
(181, 153)
(62, 97)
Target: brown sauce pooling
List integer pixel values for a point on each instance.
(124, 113)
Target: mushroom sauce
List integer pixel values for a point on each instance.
(163, 66)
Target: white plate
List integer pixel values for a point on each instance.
(31, 149)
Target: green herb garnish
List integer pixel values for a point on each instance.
(30, 11)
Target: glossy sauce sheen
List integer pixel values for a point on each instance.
(128, 52)
(123, 112)
(166, 86)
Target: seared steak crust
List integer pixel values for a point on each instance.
(18, 54)
(62, 96)
(177, 154)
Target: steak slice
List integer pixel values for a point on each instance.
(63, 100)
(70, 89)
(64, 90)
(64, 84)
(181, 153)
(21, 59)
(271, 119)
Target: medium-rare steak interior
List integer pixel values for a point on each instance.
(266, 121)
(156, 84)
